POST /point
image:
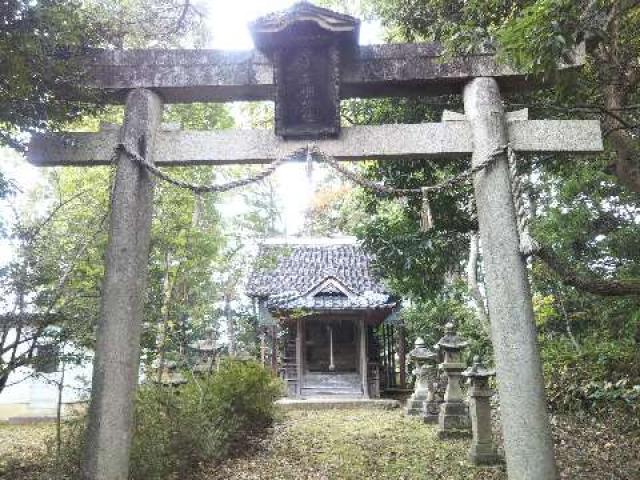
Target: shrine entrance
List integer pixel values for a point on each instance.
(330, 346)
(330, 358)
(320, 297)
(307, 60)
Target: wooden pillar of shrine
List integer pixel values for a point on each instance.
(364, 358)
(274, 349)
(299, 356)
(402, 356)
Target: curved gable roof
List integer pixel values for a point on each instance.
(297, 269)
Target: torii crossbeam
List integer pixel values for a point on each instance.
(308, 60)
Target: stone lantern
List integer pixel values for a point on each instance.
(435, 394)
(424, 368)
(453, 418)
(205, 349)
(483, 451)
(170, 375)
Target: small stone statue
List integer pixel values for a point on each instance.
(483, 451)
(423, 359)
(453, 418)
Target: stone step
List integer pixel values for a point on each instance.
(319, 403)
(336, 388)
(314, 392)
(332, 380)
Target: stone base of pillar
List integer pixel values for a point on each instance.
(415, 404)
(431, 411)
(453, 420)
(484, 454)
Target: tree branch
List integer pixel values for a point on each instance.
(587, 283)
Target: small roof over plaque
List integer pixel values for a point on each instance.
(279, 28)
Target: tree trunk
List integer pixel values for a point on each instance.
(231, 329)
(167, 290)
(626, 165)
(567, 323)
(586, 283)
(472, 282)
(59, 415)
(620, 77)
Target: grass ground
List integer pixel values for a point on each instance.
(353, 444)
(363, 444)
(23, 449)
(385, 445)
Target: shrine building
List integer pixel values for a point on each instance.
(332, 316)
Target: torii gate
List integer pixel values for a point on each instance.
(307, 60)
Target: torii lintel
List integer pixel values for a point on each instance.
(306, 60)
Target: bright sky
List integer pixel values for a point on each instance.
(228, 21)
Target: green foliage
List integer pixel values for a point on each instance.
(543, 34)
(602, 378)
(269, 260)
(199, 116)
(334, 210)
(201, 421)
(587, 216)
(43, 48)
(177, 430)
(588, 219)
(40, 48)
(185, 247)
(414, 262)
(427, 319)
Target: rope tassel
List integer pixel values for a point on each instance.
(309, 164)
(426, 218)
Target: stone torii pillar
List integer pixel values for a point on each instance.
(117, 360)
(527, 432)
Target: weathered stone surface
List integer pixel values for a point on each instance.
(482, 451)
(453, 419)
(117, 359)
(278, 29)
(355, 143)
(527, 435)
(424, 365)
(306, 45)
(431, 408)
(183, 76)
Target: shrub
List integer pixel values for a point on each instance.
(602, 379)
(176, 430)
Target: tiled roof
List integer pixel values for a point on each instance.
(330, 302)
(318, 277)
